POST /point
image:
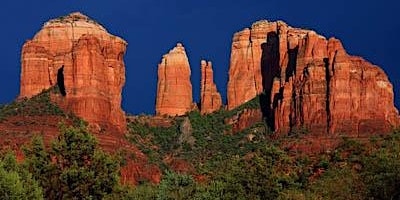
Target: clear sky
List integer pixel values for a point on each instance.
(367, 28)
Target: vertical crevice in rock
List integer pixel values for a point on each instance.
(291, 67)
(270, 70)
(60, 81)
(328, 94)
(292, 115)
(301, 103)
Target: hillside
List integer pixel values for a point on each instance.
(253, 163)
(24, 119)
(205, 157)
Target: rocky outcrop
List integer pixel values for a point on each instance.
(244, 119)
(210, 98)
(85, 61)
(174, 94)
(245, 75)
(186, 130)
(310, 81)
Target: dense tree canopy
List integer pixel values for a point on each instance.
(73, 167)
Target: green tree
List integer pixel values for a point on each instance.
(73, 168)
(38, 161)
(176, 187)
(146, 191)
(339, 183)
(16, 182)
(381, 172)
(263, 175)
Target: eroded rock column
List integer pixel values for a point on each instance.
(210, 98)
(174, 92)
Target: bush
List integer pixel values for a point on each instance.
(73, 168)
(16, 182)
(381, 172)
(339, 184)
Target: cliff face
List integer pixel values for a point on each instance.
(310, 82)
(174, 94)
(87, 64)
(245, 75)
(210, 98)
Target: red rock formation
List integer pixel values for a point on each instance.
(80, 55)
(244, 119)
(310, 82)
(174, 94)
(245, 75)
(210, 98)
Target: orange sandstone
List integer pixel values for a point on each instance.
(310, 82)
(85, 61)
(174, 93)
(210, 98)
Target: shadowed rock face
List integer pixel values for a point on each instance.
(80, 55)
(310, 81)
(174, 94)
(210, 98)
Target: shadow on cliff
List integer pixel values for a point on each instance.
(271, 70)
(60, 81)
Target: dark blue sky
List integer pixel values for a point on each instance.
(367, 28)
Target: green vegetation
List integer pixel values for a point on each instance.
(16, 182)
(39, 105)
(354, 170)
(248, 165)
(213, 141)
(73, 168)
(245, 165)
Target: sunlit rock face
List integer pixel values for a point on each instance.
(85, 61)
(174, 93)
(309, 81)
(210, 97)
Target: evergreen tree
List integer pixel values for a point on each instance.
(16, 182)
(73, 168)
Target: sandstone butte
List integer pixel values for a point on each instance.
(210, 97)
(309, 82)
(85, 61)
(174, 93)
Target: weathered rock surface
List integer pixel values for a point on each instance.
(86, 62)
(174, 94)
(244, 119)
(186, 133)
(210, 97)
(245, 75)
(311, 82)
